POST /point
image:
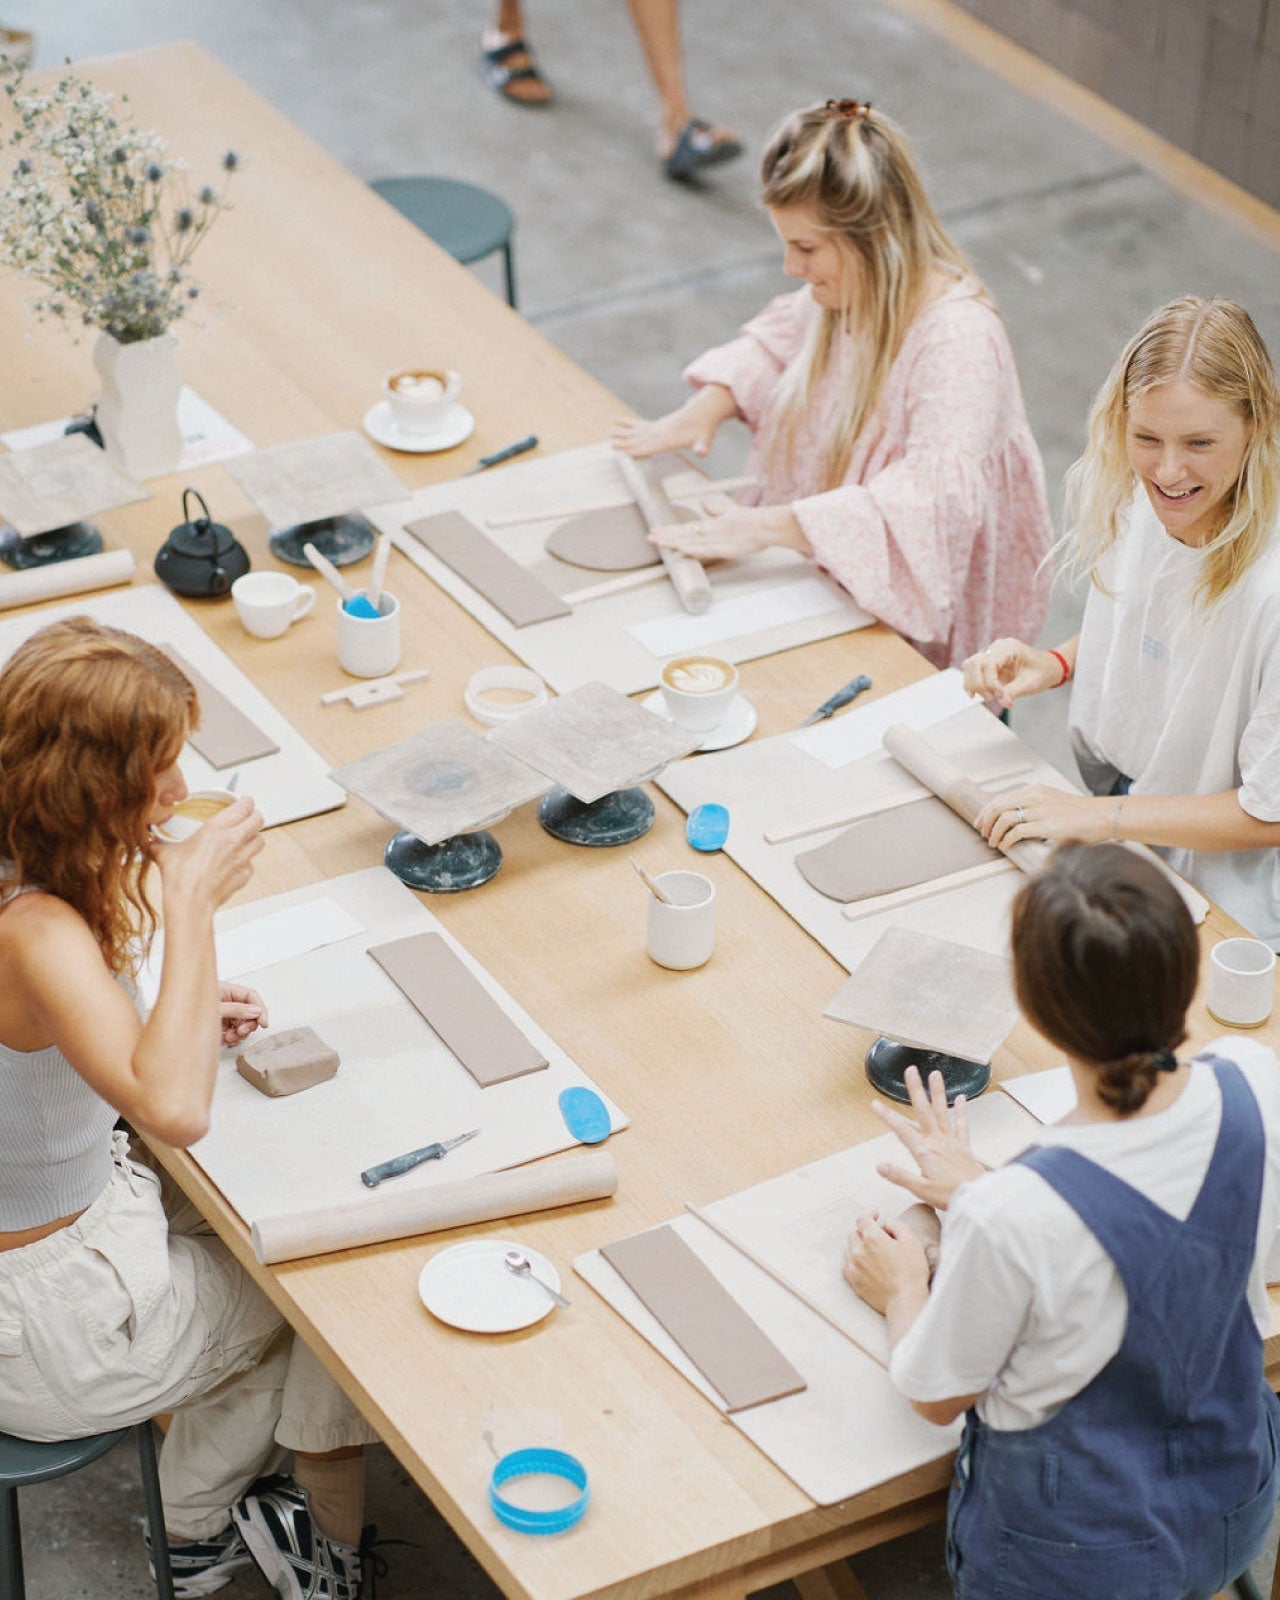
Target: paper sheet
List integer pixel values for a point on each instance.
(1048, 1096)
(60, 482)
(856, 733)
(206, 434)
(729, 619)
(263, 942)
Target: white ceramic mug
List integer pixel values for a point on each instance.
(421, 398)
(191, 814)
(369, 647)
(682, 935)
(698, 691)
(267, 602)
(1241, 982)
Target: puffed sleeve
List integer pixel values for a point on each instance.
(750, 365)
(975, 1313)
(905, 542)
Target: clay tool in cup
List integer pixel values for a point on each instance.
(371, 1177)
(379, 573)
(357, 604)
(651, 883)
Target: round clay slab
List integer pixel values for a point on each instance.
(616, 540)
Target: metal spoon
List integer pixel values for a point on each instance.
(516, 1261)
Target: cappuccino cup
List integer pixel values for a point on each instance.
(267, 602)
(698, 691)
(421, 398)
(190, 814)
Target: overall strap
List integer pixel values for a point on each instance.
(1231, 1193)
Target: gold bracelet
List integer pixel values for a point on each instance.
(1116, 836)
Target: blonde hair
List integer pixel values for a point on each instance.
(89, 718)
(855, 173)
(1213, 345)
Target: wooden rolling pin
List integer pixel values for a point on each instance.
(76, 576)
(688, 579)
(590, 1175)
(966, 799)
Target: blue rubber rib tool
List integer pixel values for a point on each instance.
(707, 827)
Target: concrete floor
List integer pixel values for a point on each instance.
(631, 276)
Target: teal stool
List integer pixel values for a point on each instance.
(467, 221)
(24, 1462)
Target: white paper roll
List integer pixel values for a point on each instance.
(592, 1175)
(66, 577)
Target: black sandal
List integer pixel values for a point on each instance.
(497, 71)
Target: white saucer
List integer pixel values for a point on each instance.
(738, 725)
(455, 426)
(469, 1286)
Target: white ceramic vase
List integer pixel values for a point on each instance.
(138, 406)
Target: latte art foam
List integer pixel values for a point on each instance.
(697, 675)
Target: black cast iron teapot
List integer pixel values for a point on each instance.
(202, 558)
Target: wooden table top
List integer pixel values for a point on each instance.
(314, 290)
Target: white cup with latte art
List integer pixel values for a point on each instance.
(698, 691)
(421, 398)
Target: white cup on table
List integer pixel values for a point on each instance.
(698, 690)
(267, 602)
(1241, 982)
(369, 647)
(420, 398)
(682, 935)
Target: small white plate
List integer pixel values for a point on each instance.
(454, 427)
(739, 724)
(469, 1286)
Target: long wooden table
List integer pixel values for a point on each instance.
(314, 291)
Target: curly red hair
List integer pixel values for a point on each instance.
(89, 718)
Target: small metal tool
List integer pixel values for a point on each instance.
(373, 1176)
(516, 1261)
(499, 456)
(840, 698)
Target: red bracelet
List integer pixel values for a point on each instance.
(1064, 664)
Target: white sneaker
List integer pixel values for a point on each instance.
(295, 1558)
(205, 1566)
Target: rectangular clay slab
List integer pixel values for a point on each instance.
(448, 995)
(520, 596)
(225, 737)
(287, 1062)
(703, 1318)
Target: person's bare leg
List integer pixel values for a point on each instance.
(657, 25)
(507, 26)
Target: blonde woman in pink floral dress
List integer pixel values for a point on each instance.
(891, 439)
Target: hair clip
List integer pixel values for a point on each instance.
(853, 110)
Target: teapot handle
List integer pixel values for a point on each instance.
(186, 515)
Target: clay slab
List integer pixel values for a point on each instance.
(594, 740)
(930, 993)
(470, 553)
(447, 779)
(613, 540)
(894, 850)
(225, 737)
(309, 479)
(60, 482)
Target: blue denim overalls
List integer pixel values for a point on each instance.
(1158, 1480)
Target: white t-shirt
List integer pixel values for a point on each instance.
(1027, 1307)
(1186, 703)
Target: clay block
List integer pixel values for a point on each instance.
(287, 1062)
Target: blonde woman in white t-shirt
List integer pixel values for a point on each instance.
(1175, 706)
(1100, 1302)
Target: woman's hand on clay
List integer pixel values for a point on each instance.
(217, 860)
(938, 1141)
(241, 1011)
(692, 426)
(726, 530)
(1009, 669)
(883, 1260)
(1038, 812)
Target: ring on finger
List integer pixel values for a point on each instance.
(1022, 816)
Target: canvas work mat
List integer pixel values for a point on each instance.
(399, 1085)
(776, 1249)
(291, 782)
(771, 601)
(838, 771)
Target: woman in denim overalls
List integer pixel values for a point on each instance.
(1097, 1306)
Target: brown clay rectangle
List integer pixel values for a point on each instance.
(520, 596)
(703, 1318)
(445, 992)
(287, 1062)
(225, 737)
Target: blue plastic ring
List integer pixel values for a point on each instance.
(520, 1464)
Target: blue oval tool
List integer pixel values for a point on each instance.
(585, 1115)
(707, 827)
(547, 1463)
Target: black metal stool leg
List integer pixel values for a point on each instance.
(509, 264)
(11, 1582)
(155, 1511)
